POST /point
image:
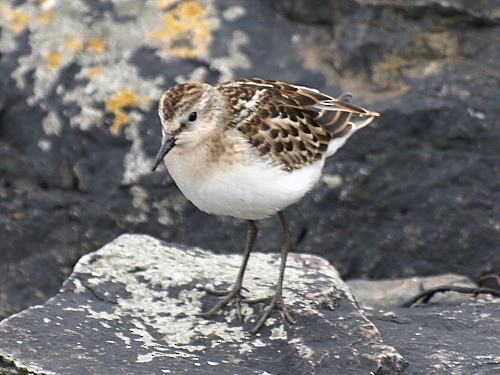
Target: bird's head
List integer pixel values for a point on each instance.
(189, 114)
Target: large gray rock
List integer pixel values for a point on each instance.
(416, 194)
(130, 308)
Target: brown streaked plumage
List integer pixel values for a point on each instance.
(292, 124)
(249, 148)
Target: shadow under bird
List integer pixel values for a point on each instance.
(248, 148)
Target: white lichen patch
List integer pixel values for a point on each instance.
(142, 358)
(162, 298)
(124, 338)
(245, 348)
(105, 325)
(236, 58)
(167, 207)
(234, 13)
(101, 315)
(139, 202)
(333, 181)
(44, 145)
(75, 309)
(278, 333)
(304, 351)
(136, 163)
(51, 124)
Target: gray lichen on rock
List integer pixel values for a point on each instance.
(150, 306)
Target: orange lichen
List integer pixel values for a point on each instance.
(120, 120)
(74, 44)
(94, 72)
(53, 59)
(17, 18)
(116, 105)
(45, 17)
(97, 45)
(186, 32)
(164, 4)
(122, 98)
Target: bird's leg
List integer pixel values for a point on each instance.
(277, 298)
(235, 291)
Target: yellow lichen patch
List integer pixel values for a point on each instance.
(186, 32)
(97, 45)
(146, 102)
(17, 18)
(122, 98)
(74, 44)
(94, 72)
(45, 17)
(164, 4)
(116, 104)
(53, 59)
(121, 119)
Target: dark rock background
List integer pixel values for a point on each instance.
(418, 193)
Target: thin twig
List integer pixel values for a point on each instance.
(428, 294)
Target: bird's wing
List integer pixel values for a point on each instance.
(293, 125)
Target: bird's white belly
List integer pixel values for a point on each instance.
(247, 191)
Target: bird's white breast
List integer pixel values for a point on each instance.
(251, 190)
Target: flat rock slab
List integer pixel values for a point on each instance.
(130, 308)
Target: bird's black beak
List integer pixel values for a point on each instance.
(167, 143)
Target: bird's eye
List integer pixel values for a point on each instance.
(192, 116)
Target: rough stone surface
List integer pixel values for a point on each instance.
(454, 333)
(416, 194)
(455, 338)
(129, 308)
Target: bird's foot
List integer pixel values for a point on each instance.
(235, 294)
(275, 300)
(229, 295)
